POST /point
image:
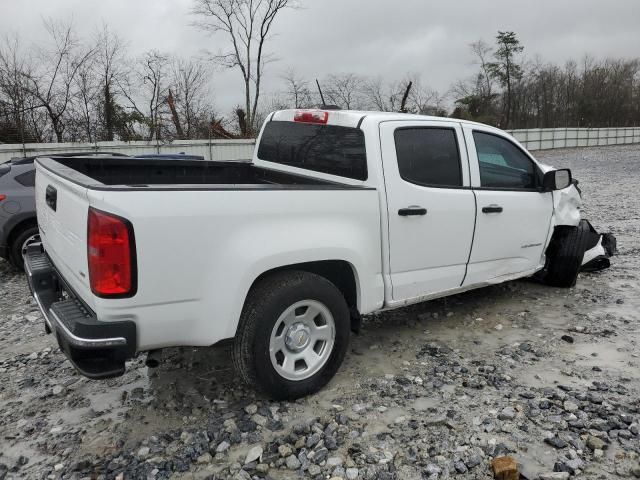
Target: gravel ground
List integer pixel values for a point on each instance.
(547, 376)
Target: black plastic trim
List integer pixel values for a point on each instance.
(412, 212)
(51, 197)
(547, 186)
(500, 189)
(327, 184)
(98, 350)
(28, 160)
(492, 209)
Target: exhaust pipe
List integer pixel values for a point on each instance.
(154, 357)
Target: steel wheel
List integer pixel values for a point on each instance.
(302, 340)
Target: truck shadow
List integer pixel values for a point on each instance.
(385, 341)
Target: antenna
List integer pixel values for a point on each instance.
(403, 105)
(324, 104)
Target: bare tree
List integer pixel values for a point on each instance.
(192, 105)
(85, 104)
(422, 100)
(53, 81)
(247, 25)
(482, 50)
(475, 97)
(146, 89)
(297, 91)
(409, 95)
(344, 90)
(15, 69)
(380, 95)
(109, 68)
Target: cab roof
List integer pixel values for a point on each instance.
(354, 118)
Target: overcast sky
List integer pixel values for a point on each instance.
(372, 37)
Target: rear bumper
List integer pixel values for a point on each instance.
(96, 349)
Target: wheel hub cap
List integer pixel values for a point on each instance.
(297, 337)
(302, 340)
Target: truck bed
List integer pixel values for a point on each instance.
(110, 172)
(192, 237)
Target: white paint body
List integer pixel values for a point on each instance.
(199, 251)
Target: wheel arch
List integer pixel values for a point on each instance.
(17, 226)
(339, 272)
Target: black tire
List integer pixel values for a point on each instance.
(266, 301)
(15, 256)
(565, 254)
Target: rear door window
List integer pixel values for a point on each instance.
(328, 149)
(429, 156)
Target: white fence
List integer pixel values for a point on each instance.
(548, 138)
(209, 149)
(533, 139)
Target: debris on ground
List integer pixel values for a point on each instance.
(505, 468)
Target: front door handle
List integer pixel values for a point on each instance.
(492, 209)
(412, 211)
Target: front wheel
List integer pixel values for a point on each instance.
(293, 334)
(564, 255)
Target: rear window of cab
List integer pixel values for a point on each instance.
(330, 149)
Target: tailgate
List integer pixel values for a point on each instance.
(62, 209)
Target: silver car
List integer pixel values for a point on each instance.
(18, 224)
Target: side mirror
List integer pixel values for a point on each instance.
(556, 180)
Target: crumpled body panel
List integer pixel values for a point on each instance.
(567, 203)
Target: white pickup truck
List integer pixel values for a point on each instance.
(338, 215)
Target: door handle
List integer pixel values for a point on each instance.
(492, 209)
(412, 211)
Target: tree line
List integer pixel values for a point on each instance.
(68, 89)
(511, 92)
(91, 89)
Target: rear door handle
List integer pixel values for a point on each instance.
(412, 211)
(492, 209)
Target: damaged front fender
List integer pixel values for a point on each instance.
(567, 207)
(567, 203)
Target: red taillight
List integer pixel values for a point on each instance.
(111, 254)
(2, 197)
(311, 116)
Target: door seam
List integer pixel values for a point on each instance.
(473, 237)
(475, 202)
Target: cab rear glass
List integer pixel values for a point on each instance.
(330, 149)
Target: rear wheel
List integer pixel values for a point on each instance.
(564, 255)
(19, 245)
(293, 334)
